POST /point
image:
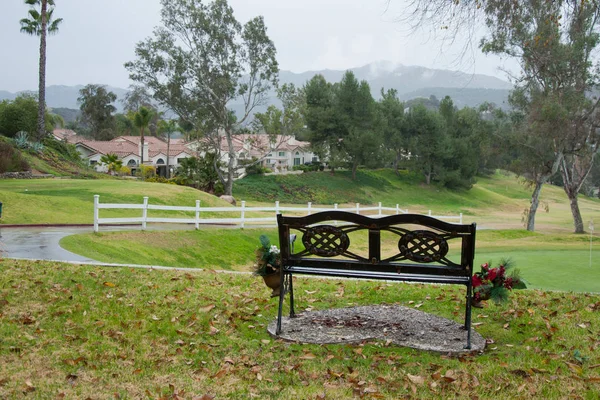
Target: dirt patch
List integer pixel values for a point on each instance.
(397, 325)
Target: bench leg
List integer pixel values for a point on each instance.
(468, 315)
(282, 291)
(292, 312)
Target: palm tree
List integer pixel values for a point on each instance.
(112, 162)
(39, 24)
(141, 120)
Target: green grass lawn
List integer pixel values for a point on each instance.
(69, 331)
(546, 261)
(71, 201)
(552, 258)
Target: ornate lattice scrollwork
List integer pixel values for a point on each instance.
(325, 241)
(423, 246)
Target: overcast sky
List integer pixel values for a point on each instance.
(97, 37)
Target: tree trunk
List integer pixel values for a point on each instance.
(228, 184)
(42, 75)
(535, 202)
(396, 162)
(354, 168)
(574, 171)
(577, 220)
(142, 144)
(168, 148)
(428, 176)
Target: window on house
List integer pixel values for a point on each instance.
(270, 155)
(282, 154)
(315, 159)
(93, 162)
(160, 161)
(297, 161)
(268, 161)
(131, 163)
(180, 160)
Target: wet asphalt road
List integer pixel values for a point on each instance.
(39, 243)
(42, 243)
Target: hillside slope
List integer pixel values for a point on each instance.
(71, 201)
(497, 201)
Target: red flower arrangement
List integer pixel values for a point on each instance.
(494, 283)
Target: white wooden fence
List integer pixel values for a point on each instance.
(242, 220)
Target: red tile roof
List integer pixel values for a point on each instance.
(121, 149)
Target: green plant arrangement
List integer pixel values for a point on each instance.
(496, 283)
(267, 258)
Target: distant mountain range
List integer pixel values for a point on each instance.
(410, 82)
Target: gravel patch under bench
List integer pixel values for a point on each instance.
(393, 324)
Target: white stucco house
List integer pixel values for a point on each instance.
(129, 151)
(280, 153)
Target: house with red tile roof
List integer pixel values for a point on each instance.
(65, 135)
(280, 153)
(157, 152)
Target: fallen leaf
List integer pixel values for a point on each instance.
(221, 373)
(308, 356)
(109, 284)
(574, 368)
(207, 308)
(520, 372)
(416, 379)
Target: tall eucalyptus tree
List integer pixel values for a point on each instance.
(199, 61)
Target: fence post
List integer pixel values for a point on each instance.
(145, 213)
(429, 213)
(358, 208)
(397, 209)
(461, 218)
(96, 203)
(380, 209)
(335, 207)
(197, 214)
(309, 206)
(243, 214)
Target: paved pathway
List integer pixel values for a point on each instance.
(42, 243)
(39, 243)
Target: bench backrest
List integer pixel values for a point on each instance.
(422, 246)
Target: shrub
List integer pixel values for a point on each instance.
(160, 179)
(65, 149)
(11, 160)
(36, 147)
(22, 139)
(124, 171)
(146, 171)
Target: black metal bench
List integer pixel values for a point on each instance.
(422, 254)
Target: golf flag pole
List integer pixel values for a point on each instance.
(591, 236)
